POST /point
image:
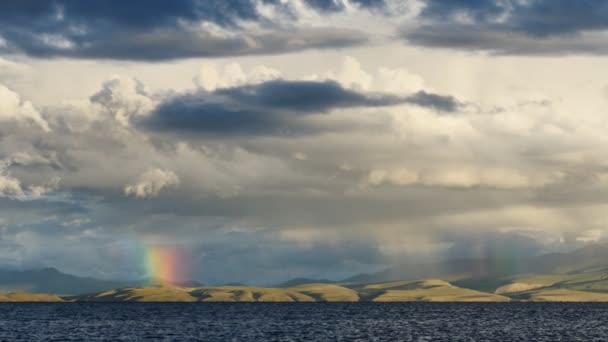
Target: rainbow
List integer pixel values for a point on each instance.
(158, 262)
(167, 265)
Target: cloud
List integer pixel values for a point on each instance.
(11, 69)
(492, 246)
(463, 178)
(304, 96)
(536, 27)
(439, 103)
(170, 44)
(271, 107)
(507, 43)
(12, 187)
(157, 30)
(151, 182)
(123, 98)
(538, 18)
(333, 5)
(373, 156)
(149, 14)
(212, 77)
(14, 109)
(352, 75)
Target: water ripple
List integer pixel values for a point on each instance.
(303, 322)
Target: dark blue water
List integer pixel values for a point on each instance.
(304, 322)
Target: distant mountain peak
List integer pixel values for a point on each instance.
(184, 283)
(50, 270)
(303, 281)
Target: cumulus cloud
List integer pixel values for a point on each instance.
(123, 98)
(459, 177)
(10, 186)
(212, 77)
(15, 109)
(151, 182)
(13, 188)
(352, 75)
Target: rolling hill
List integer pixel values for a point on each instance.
(29, 297)
(572, 287)
(423, 290)
(588, 287)
(434, 290)
(581, 275)
(161, 293)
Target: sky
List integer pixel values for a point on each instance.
(272, 139)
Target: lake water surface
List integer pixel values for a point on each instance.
(304, 322)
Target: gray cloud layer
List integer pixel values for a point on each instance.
(161, 30)
(157, 30)
(272, 107)
(536, 27)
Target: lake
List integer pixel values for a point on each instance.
(303, 321)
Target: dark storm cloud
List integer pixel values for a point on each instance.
(512, 27)
(303, 96)
(480, 10)
(535, 17)
(175, 44)
(147, 13)
(440, 103)
(272, 107)
(154, 30)
(333, 5)
(59, 14)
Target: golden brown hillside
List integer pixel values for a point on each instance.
(430, 290)
(581, 287)
(29, 297)
(422, 290)
(158, 293)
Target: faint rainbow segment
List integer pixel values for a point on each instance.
(168, 265)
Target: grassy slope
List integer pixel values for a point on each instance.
(425, 290)
(328, 292)
(303, 293)
(29, 297)
(249, 294)
(590, 286)
(564, 295)
(140, 294)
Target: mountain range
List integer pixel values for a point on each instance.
(51, 280)
(578, 275)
